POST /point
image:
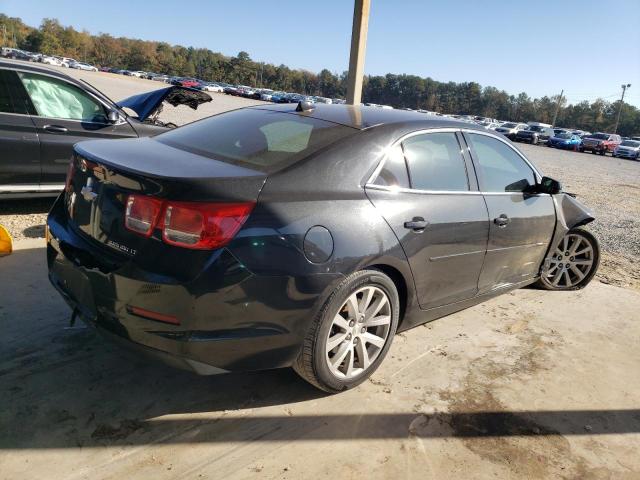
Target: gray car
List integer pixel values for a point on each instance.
(44, 112)
(304, 236)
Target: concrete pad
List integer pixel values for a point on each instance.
(532, 384)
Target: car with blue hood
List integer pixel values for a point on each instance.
(44, 112)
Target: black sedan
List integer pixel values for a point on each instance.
(304, 236)
(44, 112)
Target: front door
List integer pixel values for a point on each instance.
(521, 224)
(437, 214)
(65, 115)
(19, 144)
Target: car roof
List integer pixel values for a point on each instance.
(363, 117)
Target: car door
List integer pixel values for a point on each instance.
(64, 115)
(19, 144)
(520, 224)
(436, 212)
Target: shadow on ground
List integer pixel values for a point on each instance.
(66, 388)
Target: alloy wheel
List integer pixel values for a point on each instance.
(358, 333)
(572, 261)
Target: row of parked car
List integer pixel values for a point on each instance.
(577, 140)
(55, 60)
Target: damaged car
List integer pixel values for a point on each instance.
(304, 235)
(44, 112)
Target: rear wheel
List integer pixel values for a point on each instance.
(574, 262)
(351, 333)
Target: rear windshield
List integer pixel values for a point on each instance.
(564, 135)
(630, 143)
(599, 136)
(509, 125)
(256, 138)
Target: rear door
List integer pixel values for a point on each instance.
(437, 214)
(521, 224)
(64, 115)
(19, 144)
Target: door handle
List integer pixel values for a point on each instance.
(417, 224)
(502, 221)
(55, 129)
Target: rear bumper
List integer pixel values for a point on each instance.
(229, 318)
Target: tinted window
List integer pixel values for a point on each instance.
(254, 137)
(394, 171)
(435, 162)
(501, 168)
(55, 98)
(12, 98)
(5, 97)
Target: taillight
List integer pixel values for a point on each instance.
(142, 214)
(203, 226)
(71, 170)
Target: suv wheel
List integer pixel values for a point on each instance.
(351, 333)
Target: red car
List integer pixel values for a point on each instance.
(601, 143)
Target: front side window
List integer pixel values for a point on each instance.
(435, 162)
(394, 170)
(501, 168)
(55, 98)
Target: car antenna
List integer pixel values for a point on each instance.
(304, 106)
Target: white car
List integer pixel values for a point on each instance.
(83, 66)
(510, 129)
(212, 87)
(138, 73)
(49, 60)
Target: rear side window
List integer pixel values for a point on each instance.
(394, 172)
(256, 138)
(501, 168)
(435, 162)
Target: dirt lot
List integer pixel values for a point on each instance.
(529, 385)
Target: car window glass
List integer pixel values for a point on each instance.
(394, 172)
(501, 168)
(435, 162)
(5, 97)
(256, 138)
(287, 136)
(58, 99)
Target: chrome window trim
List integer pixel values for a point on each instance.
(33, 187)
(98, 99)
(386, 188)
(369, 183)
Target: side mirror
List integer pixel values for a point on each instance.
(113, 116)
(549, 185)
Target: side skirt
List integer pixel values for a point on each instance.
(419, 317)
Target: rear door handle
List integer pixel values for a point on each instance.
(55, 129)
(417, 224)
(502, 221)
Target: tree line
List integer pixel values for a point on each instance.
(403, 90)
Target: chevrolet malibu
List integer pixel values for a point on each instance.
(304, 235)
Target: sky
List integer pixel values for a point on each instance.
(586, 47)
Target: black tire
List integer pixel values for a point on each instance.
(544, 282)
(311, 363)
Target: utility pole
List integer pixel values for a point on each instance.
(555, 114)
(358, 47)
(624, 89)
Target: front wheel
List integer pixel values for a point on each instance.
(351, 334)
(574, 262)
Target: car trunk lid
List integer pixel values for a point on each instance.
(106, 173)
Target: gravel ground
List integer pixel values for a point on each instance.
(609, 186)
